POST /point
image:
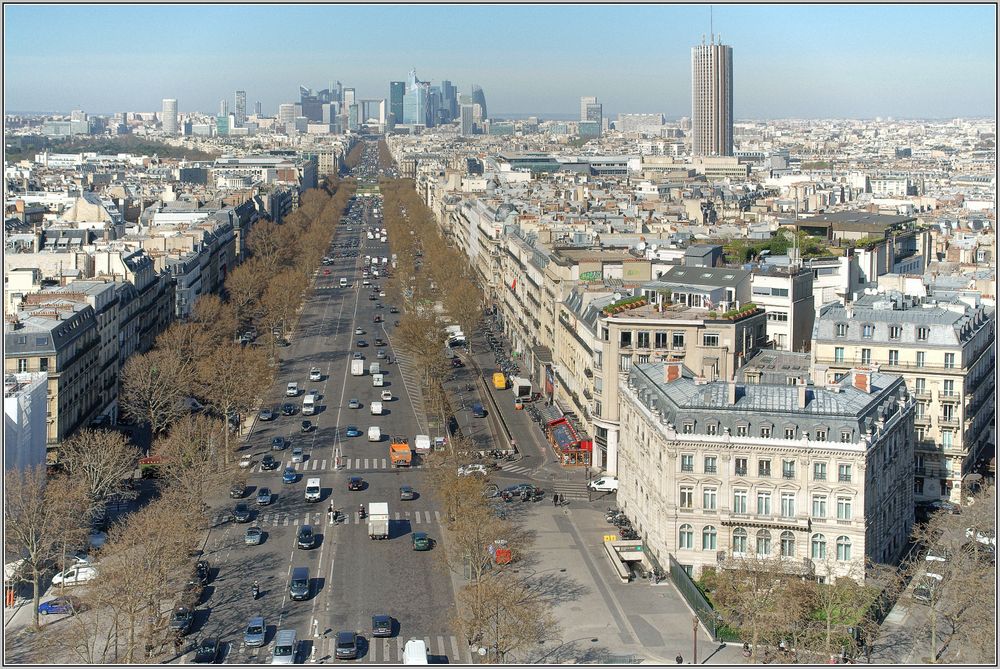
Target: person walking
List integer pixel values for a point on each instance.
(679, 659)
(555, 499)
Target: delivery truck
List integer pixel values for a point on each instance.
(357, 367)
(378, 520)
(399, 452)
(374, 433)
(422, 444)
(374, 368)
(377, 381)
(499, 381)
(376, 408)
(520, 387)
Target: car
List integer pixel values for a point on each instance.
(315, 374)
(181, 620)
(288, 409)
(207, 651)
(305, 538)
(986, 537)
(358, 331)
(475, 469)
(297, 455)
(241, 513)
(421, 542)
(278, 444)
(456, 363)
(245, 461)
(380, 355)
(381, 293)
(264, 497)
(373, 297)
(352, 431)
(381, 625)
(292, 389)
(265, 415)
(379, 341)
(347, 646)
(362, 343)
(326, 272)
(65, 604)
(238, 490)
(358, 356)
(268, 462)
(406, 493)
(604, 484)
(354, 404)
(477, 410)
(386, 395)
(393, 310)
(519, 490)
(255, 632)
(355, 483)
(80, 573)
(254, 536)
(202, 571)
(289, 475)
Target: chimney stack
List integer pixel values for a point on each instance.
(803, 397)
(671, 371)
(862, 379)
(732, 388)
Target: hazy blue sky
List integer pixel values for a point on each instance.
(802, 61)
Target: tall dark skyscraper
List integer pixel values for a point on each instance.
(712, 99)
(397, 89)
(480, 99)
(450, 99)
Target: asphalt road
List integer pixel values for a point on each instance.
(353, 577)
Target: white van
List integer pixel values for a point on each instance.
(415, 652)
(313, 490)
(374, 433)
(374, 368)
(285, 647)
(343, 284)
(422, 444)
(80, 573)
(376, 408)
(377, 381)
(309, 404)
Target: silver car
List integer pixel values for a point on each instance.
(255, 632)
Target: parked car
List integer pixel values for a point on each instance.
(986, 537)
(386, 395)
(380, 354)
(315, 374)
(406, 493)
(421, 542)
(475, 469)
(207, 651)
(604, 484)
(245, 461)
(297, 455)
(352, 431)
(65, 604)
(354, 404)
(202, 572)
(347, 646)
(393, 310)
(76, 574)
(264, 496)
(381, 625)
(379, 341)
(923, 589)
(266, 414)
(254, 536)
(241, 513)
(289, 475)
(181, 620)
(278, 444)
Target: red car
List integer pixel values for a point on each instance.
(326, 272)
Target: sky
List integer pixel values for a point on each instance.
(789, 61)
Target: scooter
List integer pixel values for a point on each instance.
(361, 511)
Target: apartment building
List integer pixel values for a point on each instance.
(25, 399)
(945, 352)
(815, 478)
(786, 296)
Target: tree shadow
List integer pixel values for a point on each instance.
(555, 588)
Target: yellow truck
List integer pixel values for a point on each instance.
(499, 381)
(399, 452)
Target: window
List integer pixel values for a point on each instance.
(841, 329)
(643, 339)
(43, 364)
(949, 388)
(788, 505)
(920, 358)
(763, 542)
(947, 438)
(893, 357)
(739, 501)
(920, 385)
(643, 359)
(687, 428)
(687, 497)
(712, 428)
(763, 503)
(821, 435)
(625, 339)
(789, 433)
(923, 333)
(843, 508)
(741, 430)
(710, 461)
(685, 536)
(687, 462)
(918, 486)
(778, 316)
(843, 549)
(819, 470)
(708, 498)
(22, 365)
(741, 466)
(625, 363)
(949, 361)
(787, 466)
(660, 339)
(867, 330)
(739, 540)
(844, 473)
(765, 432)
(764, 468)
(838, 354)
(845, 437)
(678, 340)
(708, 538)
(597, 408)
(818, 547)
(866, 356)
(711, 340)
(787, 544)
(895, 331)
(819, 506)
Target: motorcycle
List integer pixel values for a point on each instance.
(361, 511)
(255, 590)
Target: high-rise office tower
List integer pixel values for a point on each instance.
(397, 89)
(257, 109)
(450, 99)
(240, 108)
(480, 99)
(286, 114)
(712, 99)
(169, 116)
(584, 101)
(591, 116)
(223, 107)
(466, 116)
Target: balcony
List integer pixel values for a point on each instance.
(787, 475)
(949, 396)
(589, 374)
(922, 420)
(764, 473)
(950, 421)
(741, 471)
(923, 394)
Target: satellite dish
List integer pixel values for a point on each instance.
(641, 246)
(653, 247)
(618, 296)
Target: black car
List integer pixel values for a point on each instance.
(362, 343)
(238, 490)
(287, 409)
(278, 444)
(379, 341)
(381, 626)
(207, 651)
(347, 646)
(355, 483)
(181, 620)
(268, 462)
(202, 571)
(305, 537)
(393, 310)
(241, 513)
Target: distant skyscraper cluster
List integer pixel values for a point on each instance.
(416, 102)
(712, 99)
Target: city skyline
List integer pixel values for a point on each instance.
(794, 61)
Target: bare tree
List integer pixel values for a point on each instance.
(191, 453)
(505, 616)
(105, 460)
(153, 389)
(231, 380)
(41, 516)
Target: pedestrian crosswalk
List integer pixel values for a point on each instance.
(323, 464)
(286, 519)
(441, 649)
(517, 469)
(567, 489)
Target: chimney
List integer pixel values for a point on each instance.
(732, 388)
(803, 397)
(671, 372)
(862, 379)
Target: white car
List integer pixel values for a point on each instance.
(381, 293)
(358, 331)
(79, 573)
(604, 484)
(386, 395)
(315, 374)
(474, 469)
(246, 461)
(292, 390)
(983, 537)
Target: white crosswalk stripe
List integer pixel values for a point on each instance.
(323, 465)
(516, 469)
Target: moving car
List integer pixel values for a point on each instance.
(358, 331)
(604, 484)
(289, 475)
(297, 455)
(315, 374)
(379, 341)
(285, 647)
(65, 604)
(298, 585)
(241, 513)
(421, 542)
(292, 390)
(238, 490)
(347, 646)
(287, 409)
(353, 431)
(380, 355)
(406, 493)
(305, 538)
(264, 497)
(393, 310)
(381, 625)
(268, 462)
(355, 483)
(354, 404)
(254, 536)
(266, 414)
(207, 651)
(362, 343)
(519, 489)
(245, 461)
(255, 632)
(278, 444)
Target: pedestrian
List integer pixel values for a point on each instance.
(555, 499)
(679, 659)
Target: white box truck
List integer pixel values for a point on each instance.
(374, 433)
(309, 404)
(374, 368)
(422, 443)
(377, 380)
(376, 408)
(313, 490)
(415, 652)
(357, 367)
(378, 520)
(520, 387)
